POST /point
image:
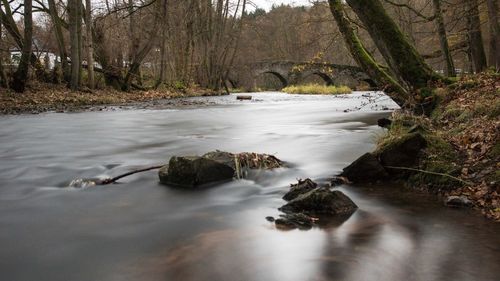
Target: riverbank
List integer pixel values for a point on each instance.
(462, 154)
(45, 98)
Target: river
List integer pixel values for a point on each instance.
(141, 230)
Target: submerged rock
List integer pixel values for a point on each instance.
(320, 201)
(303, 186)
(457, 201)
(339, 180)
(192, 171)
(83, 183)
(365, 169)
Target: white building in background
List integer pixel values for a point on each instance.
(47, 59)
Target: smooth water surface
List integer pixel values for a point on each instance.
(140, 230)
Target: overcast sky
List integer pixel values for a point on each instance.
(266, 4)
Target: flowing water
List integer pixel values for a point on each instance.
(140, 230)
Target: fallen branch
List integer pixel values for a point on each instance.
(113, 180)
(431, 173)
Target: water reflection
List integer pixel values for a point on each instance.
(140, 230)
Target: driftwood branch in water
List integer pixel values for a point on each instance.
(113, 180)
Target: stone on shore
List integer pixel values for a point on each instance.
(366, 168)
(403, 152)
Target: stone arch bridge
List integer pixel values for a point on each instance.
(290, 73)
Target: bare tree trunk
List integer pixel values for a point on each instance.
(7, 19)
(475, 36)
(3, 77)
(402, 57)
(73, 8)
(80, 40)
(494, 26)
(21, 75)
(140, 54)
(60, 40)
(163, 59)
(364, 59)
(90, 47)
(443, 39)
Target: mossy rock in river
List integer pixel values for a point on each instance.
(303, 186)
(366, 168)
(192, 171)
(215, 166)
(401, 152)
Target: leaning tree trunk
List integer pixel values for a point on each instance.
(364, 59)
(443, 39)
(475, 36)
(494, 27)
(400, 54)
(21, 75)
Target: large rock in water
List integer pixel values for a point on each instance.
(193, 171)
(303, 186)
(321, 201)
(366, 168)
(223, 157)
(402, 152)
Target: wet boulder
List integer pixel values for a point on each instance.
(402, 152)
(366, 168)
(248, 160)
(294, 220)
(303, 186)
(320, 201)
(339, 180)
(223, 157)
(192, 171)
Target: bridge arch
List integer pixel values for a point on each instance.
(370, 82)
(283, 80)
(328, 80)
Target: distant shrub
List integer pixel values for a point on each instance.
(315, 89)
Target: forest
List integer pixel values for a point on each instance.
(129, 45)
(234, 140)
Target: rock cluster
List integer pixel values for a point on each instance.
(308, 204)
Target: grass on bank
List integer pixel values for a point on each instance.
(315, 89)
